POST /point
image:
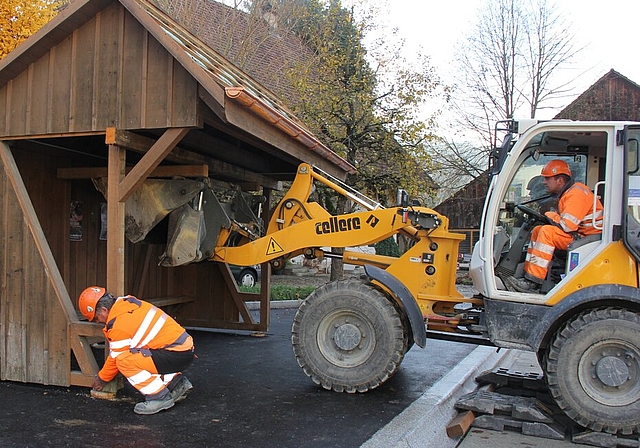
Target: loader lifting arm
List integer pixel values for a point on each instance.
(301, 226)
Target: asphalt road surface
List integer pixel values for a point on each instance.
(248, 392)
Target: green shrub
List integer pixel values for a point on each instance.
(281, 292)
(387, 247)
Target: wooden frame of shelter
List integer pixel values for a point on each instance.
(116, 89)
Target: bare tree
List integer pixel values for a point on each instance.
(455, 165)
(507, 64)
(550, 46)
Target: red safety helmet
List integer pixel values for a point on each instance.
(88, 300)
(555, 167)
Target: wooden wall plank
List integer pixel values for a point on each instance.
(133, 47)
(159, 70)
(18, 111)
(16, 325)
(83, 69)
(58, 354)
(4, 107)
(39, 102)
(4, 299)
(108, 68)
(184, 97)
(60, 86)
(36, 321)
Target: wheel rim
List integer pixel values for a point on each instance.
(609, 372)
(247, 280)
(346, 338)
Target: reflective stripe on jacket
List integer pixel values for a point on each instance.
(135, 325)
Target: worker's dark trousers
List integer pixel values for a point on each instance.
(168, 361)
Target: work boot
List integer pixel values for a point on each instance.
(181, 389)
(521, 285)
(154, 406)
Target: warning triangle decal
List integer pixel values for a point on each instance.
(274, 247)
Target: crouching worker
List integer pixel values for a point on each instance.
(146, 345)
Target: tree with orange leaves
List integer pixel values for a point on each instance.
(19, 19)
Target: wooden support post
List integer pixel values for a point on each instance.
(115, 222)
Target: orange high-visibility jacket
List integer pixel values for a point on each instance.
(135, 325)
(576, 211)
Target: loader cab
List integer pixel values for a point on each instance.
(517, 200)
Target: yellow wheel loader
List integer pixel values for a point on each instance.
(583, 324)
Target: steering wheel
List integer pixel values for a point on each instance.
(535, 214)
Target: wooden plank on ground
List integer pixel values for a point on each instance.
(460, 424)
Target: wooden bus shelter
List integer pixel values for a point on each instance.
(115, 89)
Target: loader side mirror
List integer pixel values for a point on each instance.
(402, 198)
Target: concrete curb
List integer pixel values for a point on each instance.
(423, 423)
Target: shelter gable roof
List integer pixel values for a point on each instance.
(228, 91)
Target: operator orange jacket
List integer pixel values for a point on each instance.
(136, 325)
(576, 211)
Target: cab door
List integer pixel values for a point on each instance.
(631, 219)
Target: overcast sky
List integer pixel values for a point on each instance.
(609, 30)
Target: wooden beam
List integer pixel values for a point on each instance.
(152, 158)
(141, 144)
(81, 379)
(54, 135)
(88, 329)
(224, 169)
(128, 140)
(161, 171)
(236, 295)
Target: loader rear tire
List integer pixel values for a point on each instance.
(348, 337)
(592, 369)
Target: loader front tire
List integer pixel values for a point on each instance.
(348, 337)
(592, 369)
